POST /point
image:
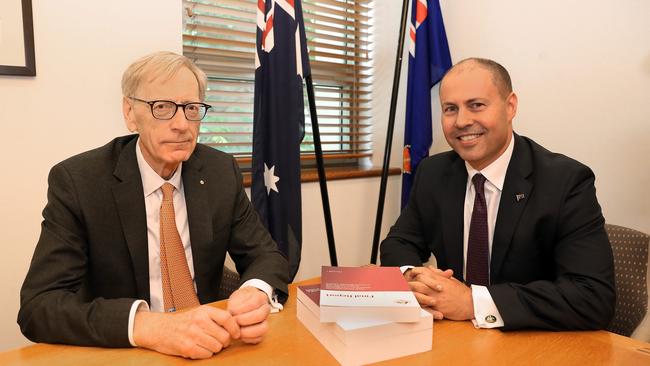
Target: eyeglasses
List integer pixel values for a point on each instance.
(166, 109)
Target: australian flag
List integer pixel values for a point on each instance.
(281, 62)
(429, 59)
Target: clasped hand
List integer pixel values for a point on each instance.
(441, 292)
(203, 331)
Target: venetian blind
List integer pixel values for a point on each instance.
(219, 35)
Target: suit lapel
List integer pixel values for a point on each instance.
(128, 194)
(515, 195)
(199, 216)
(452, 216)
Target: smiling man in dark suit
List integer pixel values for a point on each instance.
(516, 230)
(140, 228)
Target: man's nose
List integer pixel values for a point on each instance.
(463, 119)
(179, 121)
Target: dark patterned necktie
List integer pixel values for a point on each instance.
(478, 272)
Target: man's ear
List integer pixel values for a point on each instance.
(129, 115)
(511, 106)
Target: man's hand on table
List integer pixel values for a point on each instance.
(250, 308)
(204, 331)
(441, 292)
(197, 333)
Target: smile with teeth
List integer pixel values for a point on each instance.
(469, 137)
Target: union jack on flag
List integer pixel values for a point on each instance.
(281, 62)
(429, 59)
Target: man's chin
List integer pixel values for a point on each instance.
(468, 152)
(472, 157)
(179, 156)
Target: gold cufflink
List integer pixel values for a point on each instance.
(491, 319)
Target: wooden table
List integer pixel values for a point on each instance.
(289, 343)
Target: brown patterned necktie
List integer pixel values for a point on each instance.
(478, 250)
(178, 288)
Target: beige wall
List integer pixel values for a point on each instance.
(72, 105)
(582, 86)
(581, 70)
(354, 205)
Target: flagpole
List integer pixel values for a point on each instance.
(321, 171)
(389, 133)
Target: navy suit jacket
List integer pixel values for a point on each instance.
(91, 261)
(551, 265)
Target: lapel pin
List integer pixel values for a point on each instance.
(520, 196)
(201, 181)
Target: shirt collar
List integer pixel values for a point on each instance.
(151, 181)
(495, 173)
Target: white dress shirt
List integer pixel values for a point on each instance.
(151, 183)
(486, 314)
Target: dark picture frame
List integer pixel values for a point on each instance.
(29, 66)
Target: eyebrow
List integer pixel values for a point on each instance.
(182, 101)
(471, 100)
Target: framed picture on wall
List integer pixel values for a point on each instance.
(16, 38)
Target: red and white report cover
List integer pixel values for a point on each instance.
(355, 342)
(366, 293)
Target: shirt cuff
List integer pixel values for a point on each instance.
(405, 268)
(486, 314)
(268, 290)
(138, 305)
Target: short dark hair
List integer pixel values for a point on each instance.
(500, 76)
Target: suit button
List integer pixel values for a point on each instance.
(491, 319)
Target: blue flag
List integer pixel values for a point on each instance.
(279, 122)
(429, 59)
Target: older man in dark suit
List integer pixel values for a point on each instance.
(139, 228)
(516, 228)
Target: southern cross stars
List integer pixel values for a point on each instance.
(270, 179)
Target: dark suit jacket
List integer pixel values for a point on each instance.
(91, 261)
(551, 264)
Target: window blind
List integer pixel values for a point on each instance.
(219, 35)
